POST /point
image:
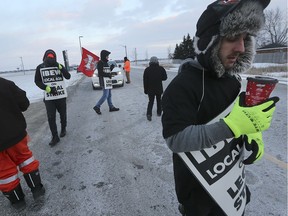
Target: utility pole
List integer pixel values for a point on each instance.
(125, 50)
(80, 45)
(135, 56)
(22, 65)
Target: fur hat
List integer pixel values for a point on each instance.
(228, 18)
(154, 60)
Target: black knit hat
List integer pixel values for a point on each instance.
(211, 21)
(49, 51)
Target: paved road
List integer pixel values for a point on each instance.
(118, 163)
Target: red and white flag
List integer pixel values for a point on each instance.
(88, 62)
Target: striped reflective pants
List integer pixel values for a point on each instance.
(17, 156)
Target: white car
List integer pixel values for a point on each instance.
(117, 76)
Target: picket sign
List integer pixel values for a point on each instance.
(107, 83)
(53, 77)
(107, 80)
(221, 172)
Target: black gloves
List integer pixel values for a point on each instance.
(53, 90)
(254, 142)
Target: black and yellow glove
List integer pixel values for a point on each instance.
(254, 142)
(248, 120)
(51, 90)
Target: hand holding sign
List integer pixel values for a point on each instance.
(254, 142)
(53, 90)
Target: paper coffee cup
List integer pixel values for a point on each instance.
(259, 89)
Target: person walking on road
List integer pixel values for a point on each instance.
(104, 72)
(193, 103)
(153, 76)
(49, 76)
(127, 69)
(14, 151)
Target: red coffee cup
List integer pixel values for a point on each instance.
(259, 89)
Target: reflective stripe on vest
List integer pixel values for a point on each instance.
(26, 162)
(8, 180)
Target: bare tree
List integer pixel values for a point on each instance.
(170, 54)
(275, 29)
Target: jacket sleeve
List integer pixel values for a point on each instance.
(164, 74)
(145, 81)
(202, 136)
(20, 97)
(38, 79)
(64, 71)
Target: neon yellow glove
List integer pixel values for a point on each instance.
(59, 66)
(48, 89)
(254, 142)
(247, 120)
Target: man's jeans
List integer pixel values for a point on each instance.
(106, 95)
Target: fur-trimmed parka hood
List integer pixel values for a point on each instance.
(228, 18)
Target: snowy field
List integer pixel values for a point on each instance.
(26, 80)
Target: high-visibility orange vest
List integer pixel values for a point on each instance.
(127, 66)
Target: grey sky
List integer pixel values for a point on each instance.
(150, 27)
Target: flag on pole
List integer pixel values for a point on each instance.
(88, 62)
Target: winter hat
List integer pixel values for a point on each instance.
(49, 52)
(228, 18)
(104, 54)
(154, 60)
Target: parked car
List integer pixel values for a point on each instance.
(117, 76)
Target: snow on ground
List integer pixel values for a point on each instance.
(26, 80)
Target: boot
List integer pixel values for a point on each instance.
(113, 109)
(54, 141)
(97, 110)
(149, 117)
(63, 132)
(33, 180)
(16, 197)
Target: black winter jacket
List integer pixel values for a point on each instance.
(13, 102)
(100, 67)
(194, 97)
(38, 79)
(152, 79)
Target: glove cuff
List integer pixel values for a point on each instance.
(232, 127)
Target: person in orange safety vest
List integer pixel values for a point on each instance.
(127, 69)
(14, 151)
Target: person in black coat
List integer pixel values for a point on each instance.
(14, 151)
(49, 76)
(104, 71)
(152, 82)
(198, 126)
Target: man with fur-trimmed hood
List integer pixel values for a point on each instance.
(202, 138)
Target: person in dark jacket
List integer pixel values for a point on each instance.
(14, 151)
(153, 76)
(104, 71)
(49, 76)
(206, 140)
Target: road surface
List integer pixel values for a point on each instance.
(118, 163)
